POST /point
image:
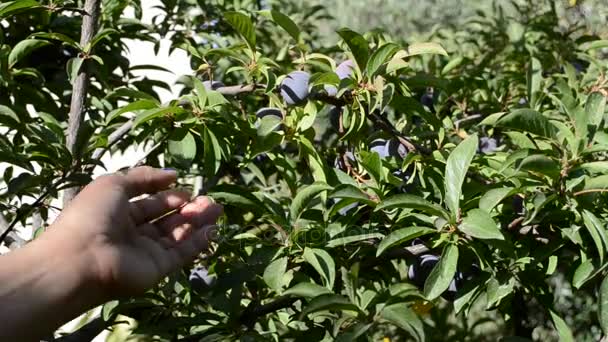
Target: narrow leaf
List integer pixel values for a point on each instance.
(493, 197)
(242, 24)
(565, 334)
(456, 171)
(304, 196)
(306, 290)
(357, 44)
(25, 48)
(405, 318)
(323, 263)
(442, 274)
(414, 202)
(479, 224)
(528, 120)
(402, 235)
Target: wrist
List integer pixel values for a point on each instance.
(45, 283)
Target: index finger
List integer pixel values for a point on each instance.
(147, 180)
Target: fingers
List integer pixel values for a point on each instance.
(154, 206)
(189, 248)
(200, 212)
(169, 256)
(147, 180)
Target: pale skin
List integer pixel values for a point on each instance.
(102, 247)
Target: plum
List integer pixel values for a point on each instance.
(213, 85)
(331, 90)
(339, 162)
(379, 146)
(200, 280)
(334, 116)
(397, 149)
(294, 88)
(487, 145)
(427, 99)
(420, 270)
(345, 69)
(388, 148)
(265, 111)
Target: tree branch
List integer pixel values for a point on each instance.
(12, 239)
(125, 128)
(80, 87)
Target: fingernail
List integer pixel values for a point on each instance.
(169, 169)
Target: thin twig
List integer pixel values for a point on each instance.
(588, 191)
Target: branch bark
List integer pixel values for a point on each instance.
(12, 240)
(125, 128)
(80, 87)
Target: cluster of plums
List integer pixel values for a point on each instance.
(420, 270)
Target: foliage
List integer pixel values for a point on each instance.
(452, 189)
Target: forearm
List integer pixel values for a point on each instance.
(40, 289)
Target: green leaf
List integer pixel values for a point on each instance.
(373, 164)
(8, 112)
(565, 334)
(23, 49)
(154, 113)
(131, 107)
(597, 167)
(13, 7)
(456, 171)
(493, 197)
(479, 224)
(306, 290)
(400, 236)
(542, 164)
(182, 147)
(528, 120)
(535, 76)
(413, 202)
(602, 311)
(242, 24)
(496, 291)
(304, 196)
(285, 22)
(582, 273)
(73, 68)
(212, 152)
(99, 36)
(323, 263)
(425, 48)
(442, 274)
(274, 273)
(595, 107)
(107, 310)
(379, 57)
(332, 302)
(452, 64)
(58, 36)
(344, 240)
(597, 231)
(351, 192)
(357, 44)
(268, 124)
(405, 318)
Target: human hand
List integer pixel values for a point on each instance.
(125, 252)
